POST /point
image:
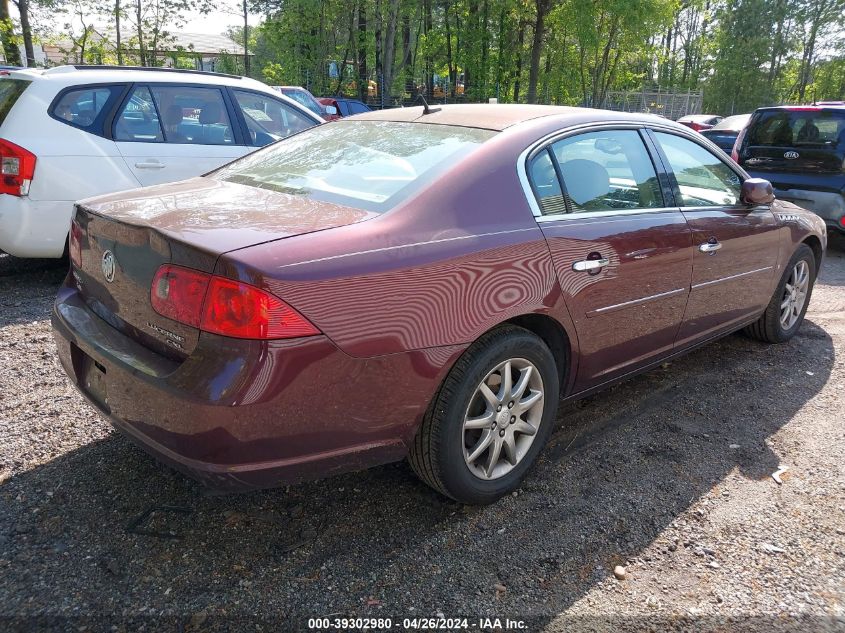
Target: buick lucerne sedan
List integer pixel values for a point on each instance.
(418, 283)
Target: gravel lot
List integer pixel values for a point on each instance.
(668, 475)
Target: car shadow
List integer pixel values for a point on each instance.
(24, 284)
(620, 468)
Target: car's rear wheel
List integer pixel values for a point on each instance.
(786, 310)
(489, 420)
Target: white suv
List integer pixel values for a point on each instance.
(72, 132)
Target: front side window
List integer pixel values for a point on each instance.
(82, 107)
(703, 179)
(269, 119)
(607, 171)
(364, 164)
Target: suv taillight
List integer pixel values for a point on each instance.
(17, 167)
(737, 143)
(224, 306)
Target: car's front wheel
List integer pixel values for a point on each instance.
(786, 310)
(490, 418)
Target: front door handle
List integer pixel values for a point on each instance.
(154, 164)
(710, 247)
(588, 265)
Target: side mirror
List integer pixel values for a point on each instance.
(757, 191)
(331, 110)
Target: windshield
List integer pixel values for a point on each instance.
(797, 128)
(10, 91)
(736, 122)
(365, 164)
(304, 98)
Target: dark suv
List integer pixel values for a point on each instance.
(801, 151)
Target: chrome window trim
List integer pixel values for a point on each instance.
(656, 126)
(554, 217)
(522, 167)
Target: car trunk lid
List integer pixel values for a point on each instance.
(127, 237)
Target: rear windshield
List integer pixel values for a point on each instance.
(365, 164)
(798, 128)
(10, 91)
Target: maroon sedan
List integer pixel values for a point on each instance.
(422, 285)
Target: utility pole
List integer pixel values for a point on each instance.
(246, 41)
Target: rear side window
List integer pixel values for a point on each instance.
(798, 128)
(356, 107)
(191, 114)
(175, 114)
(607, 171)
(10, 92)
(365, 164)
(85, 107)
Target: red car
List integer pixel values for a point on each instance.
(700, 122)
(422, 283)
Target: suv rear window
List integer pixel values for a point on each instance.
(363, 164)
(10, 92)
(798, 128)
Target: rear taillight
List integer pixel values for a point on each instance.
(178, 293)
(737, 143)
(75, 244)
(224, 306)
(17, 167)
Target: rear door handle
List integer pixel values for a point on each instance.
(709, 247)
(153, 164)
(587, 265)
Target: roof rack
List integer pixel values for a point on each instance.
(155, 69)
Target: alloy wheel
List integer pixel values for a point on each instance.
(503, 418)
(794, 294)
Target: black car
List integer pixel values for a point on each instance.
(801, 151)
(345, 107)
(725, 132)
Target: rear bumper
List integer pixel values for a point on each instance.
(34, 228)
(243, 414)
(830, 206)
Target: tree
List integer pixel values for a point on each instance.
(7, 35)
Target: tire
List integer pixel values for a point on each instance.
(770, 327)
(442, 447)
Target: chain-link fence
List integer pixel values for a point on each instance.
(673, 105)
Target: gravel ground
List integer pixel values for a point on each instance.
(668, 475)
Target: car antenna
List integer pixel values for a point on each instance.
(427, 109)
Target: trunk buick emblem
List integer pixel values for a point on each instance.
(791, 155)
(108, 266)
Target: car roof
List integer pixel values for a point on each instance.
(693, 117)
(805, 108)
(68, 76)
(496, 116)
(73, 75)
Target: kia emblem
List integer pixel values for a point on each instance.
(791, 155)
(108, 265)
